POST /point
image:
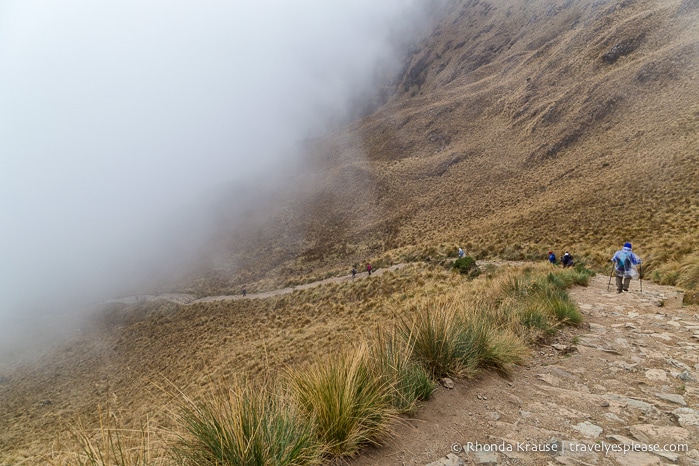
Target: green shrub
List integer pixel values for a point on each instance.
(467, 266)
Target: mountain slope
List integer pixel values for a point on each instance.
(512, 128)
(558, 124)
(523, 128)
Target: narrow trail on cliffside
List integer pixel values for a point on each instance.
(182, 298)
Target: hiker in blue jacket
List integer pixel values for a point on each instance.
(625, 263)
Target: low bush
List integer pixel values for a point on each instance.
(467, 266)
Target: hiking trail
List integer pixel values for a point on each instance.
(183, 298)
(627, 378)
(604, 393)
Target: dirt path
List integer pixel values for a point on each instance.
(182, 298)
(627, 379)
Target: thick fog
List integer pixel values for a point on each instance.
(116, 118)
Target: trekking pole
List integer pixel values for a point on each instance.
(640, 275)
(610, 277)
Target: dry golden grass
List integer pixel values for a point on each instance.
(509, 134)
(125, 361)
(241, 424)
(348, 403)
(122, 357)
(112, 444)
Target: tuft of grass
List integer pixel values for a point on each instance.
(439, 342)
(449, 340)
(549, 296)
(565, 309)
(348, 404)
(244, 426)
(390, 357)
(113, 445)
(495, 349)
(531, 302)
(688, 276)
(534, 318)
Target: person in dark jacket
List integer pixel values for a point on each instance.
(567, 260)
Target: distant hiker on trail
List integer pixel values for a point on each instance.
(625, 263)
(245, 292)
(567, 260)
(461, 253)
(369, 269)
(354, 272)
(552, 258)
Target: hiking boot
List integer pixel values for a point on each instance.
(626, 289)
(618, 291)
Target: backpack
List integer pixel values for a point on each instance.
(623, 263)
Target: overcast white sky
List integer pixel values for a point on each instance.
(114, 114)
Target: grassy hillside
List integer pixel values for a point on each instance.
(514, 128)
(124, 384)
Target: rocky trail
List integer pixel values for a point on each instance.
(621, 389)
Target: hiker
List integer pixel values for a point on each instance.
(461, 253)
(552, 258)
(567, 260)
(625, 263)
(368, 269)
(245, 292)
(354, 272)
